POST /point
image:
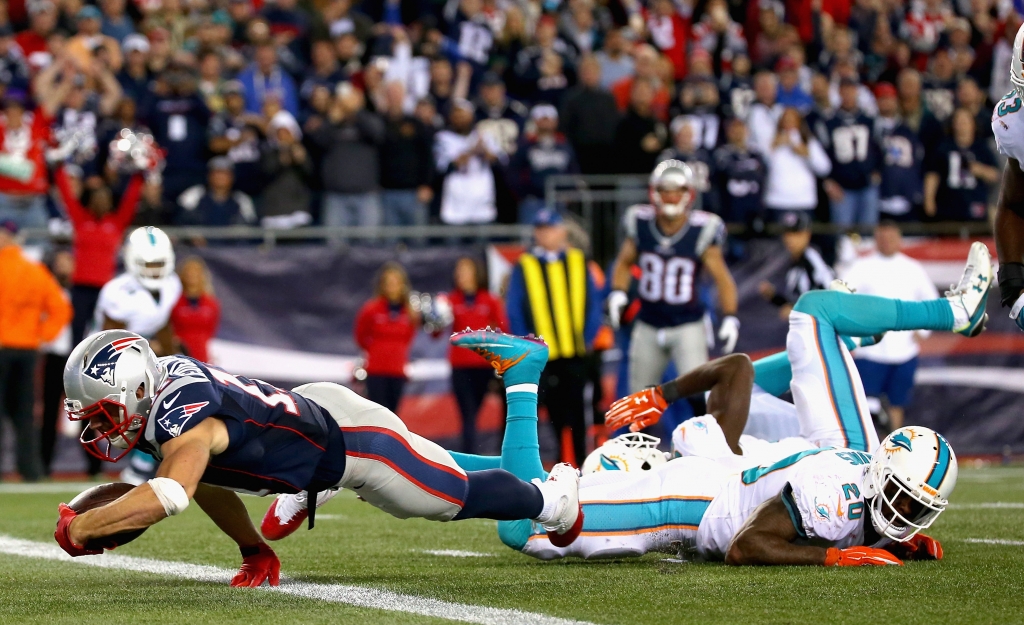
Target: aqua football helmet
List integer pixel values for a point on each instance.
(673, 175)
(110, 380)
(915, 462)
(634, 451)
(149, 256)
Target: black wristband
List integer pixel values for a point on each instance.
(249, 551)
(1011, 282)
(669, 391)
(779, 300)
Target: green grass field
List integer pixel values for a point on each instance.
(354, 544)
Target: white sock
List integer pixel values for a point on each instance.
(551, 501)
(960, 317)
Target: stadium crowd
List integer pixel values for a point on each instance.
(289, 112)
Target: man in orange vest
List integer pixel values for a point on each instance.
(33, 310)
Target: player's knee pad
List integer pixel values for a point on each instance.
(515, 534)
(171, 494)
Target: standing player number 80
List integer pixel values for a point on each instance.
(669, 280)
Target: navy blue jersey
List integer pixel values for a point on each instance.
(739, 177)
(670, 265)
(736, 95)
(901, 188)
(280, 442)
(961, 196)
(852, 149)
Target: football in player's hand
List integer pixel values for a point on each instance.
(100, 496)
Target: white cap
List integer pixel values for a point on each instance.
(135, 43)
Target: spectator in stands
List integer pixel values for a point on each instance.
(615, 62)
(42, 22)
(265, 77)
(465, 159)
(640, 136)
(350, 166)
(135, 76)
(685, 148)
(970, 97)
(324, 71)
(546, 68)
(764, 113)
(887, 369)
(287, 171)
(670, 32)
(89, 42)
(55, 353)
(958, 174)
(719, 35)
(98, 230)
(179, 119)
(914, 112)
(739, 176)
(807, 270)
(542, 153)
(646, 60)
(116, 24)
(737, 89)
(217, 203)
(790, 91)
(473, 306)
(235, 133)
(196, 316)
(852, 185)
(384, 329)
(23, 140)
(901, 190)
(498, 115)
(940, 85)
(795, 160)
(33, 310)
(407, 164)
(589, 118)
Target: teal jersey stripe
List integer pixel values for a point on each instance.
(941, 464)
(755, 473)
(631, 516)
(841, 385)
(794, 516)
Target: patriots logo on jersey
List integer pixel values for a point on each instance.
(101, 367)
(173, 421)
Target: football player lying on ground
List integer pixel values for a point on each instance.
(811, 507)
(213, 431)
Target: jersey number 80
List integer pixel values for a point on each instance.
(669, 280)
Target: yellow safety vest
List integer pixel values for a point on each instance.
(557, 292)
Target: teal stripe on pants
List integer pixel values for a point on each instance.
(840, 383)
(631, 516)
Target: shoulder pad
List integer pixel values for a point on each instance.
(635, 214)
(712, 230)
(1008, 127)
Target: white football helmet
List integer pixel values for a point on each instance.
(149, 256)
(101, 379)
(673, 175)
(919, 463)
(1017, 63)
(634, 451)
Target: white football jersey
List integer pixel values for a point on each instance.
(703, 437)
(123, 299)
(1008, 127)
(823, 490)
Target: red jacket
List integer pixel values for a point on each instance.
(98, 239)
(195, 323)
(385, 335)
(33, 150)
(483, 310)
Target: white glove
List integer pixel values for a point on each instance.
(616, 302)
(729, 333)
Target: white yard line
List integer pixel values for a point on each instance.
(989, 505)
(45, 488)
(374, 598)
(455, 553)
(994, 541)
